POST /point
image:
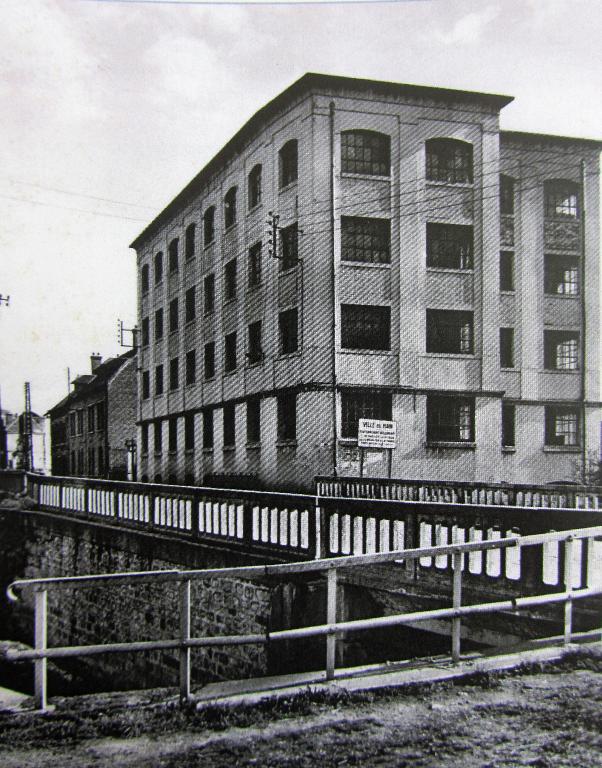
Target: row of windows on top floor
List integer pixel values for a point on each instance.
(364, 328)
(449, 419)
(95, 421)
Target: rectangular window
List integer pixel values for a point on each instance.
(80, 422)
(209, 362)
(288, 163)
(174, 373)
(174, 319)
(449, 246)
(449, 419)
(189, 432)
(449, 331)
(365, 327)
(562, 425)
(288, 331)
(158, 436)
(229, 413)
(507, 347)
(144, 438)
(91, 419)
(508, 425)
(159, 380)
(190, 308)
(254, 272)
(287, 416)
(365, 152)
(506, 195)
(145, 385)
(255, 353)
(209, 299)
(145, 332)
(73, 465)
(101, 461)
(289, 237)
(173, 255)
(191, 366)
(159, 324)
(230, 352)
(172, 435)
(72, 423)
(561, 350)
(190, 244)
(145, 279)
(80, 462)
(561, 275)
(506, 271)
(230, 280)
(449, 160)
(363, 404)
(209, 226)
(208, 429)
(254, 420)
(100, 416)
(158, 267)
(91, 457)
(366, 240)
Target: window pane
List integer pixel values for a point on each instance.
(365, 152)
(363, 404)
(365, 327)
(367, 240)
(449, 331)
(450, 419)
(448, 160)
(449, 246)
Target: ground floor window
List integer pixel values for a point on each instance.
(287, 416)
(363, 404)
(449, 419)
(508, 425)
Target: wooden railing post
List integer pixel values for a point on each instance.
(331, 617)
(40, 643)
(456, 603)
(184, 636)
(568, 586)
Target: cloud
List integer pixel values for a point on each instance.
(469, 28)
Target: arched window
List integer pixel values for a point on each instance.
(173, 255)
(190, 244)
(506, 195)
(288, 169)
(145, 278)
(365, 152)
(230, 207)
(254, 192)
(561, 199)
(209, 226)
(449, 160)
(158, 266)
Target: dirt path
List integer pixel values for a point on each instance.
(546, 719)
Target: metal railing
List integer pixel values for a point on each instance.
(460, 554)
(499, 494)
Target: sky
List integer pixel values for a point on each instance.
(109, 107)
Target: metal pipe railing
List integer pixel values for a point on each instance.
(184, 643)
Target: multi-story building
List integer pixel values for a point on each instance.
(12, 427)
(93, 429)
(371, 249)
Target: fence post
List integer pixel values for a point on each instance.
(456, 603)
(331, 617)
(184, 636)
(40, 642)
(568, 587)
(323, 524)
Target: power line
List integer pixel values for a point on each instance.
(80, 194)
(68, 208)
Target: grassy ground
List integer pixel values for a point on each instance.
(539, 716)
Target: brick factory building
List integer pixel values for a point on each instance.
(89, 427)
(372, 249)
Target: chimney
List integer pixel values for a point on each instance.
(95, 361)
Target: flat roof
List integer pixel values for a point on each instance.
(534, 138)
(311, 81)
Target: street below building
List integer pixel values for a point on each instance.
(543, 716)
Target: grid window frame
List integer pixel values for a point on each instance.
(449, 161)
(359, 404)
(561, 275)
(561, 199)
(365, 240)
(366, 327)
(562, 426)
(364, 152)
(449, 246)
(561, 350)
(450, 419)
(449, 331)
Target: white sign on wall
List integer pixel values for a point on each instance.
(375, 433)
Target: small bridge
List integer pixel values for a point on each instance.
(465, 560)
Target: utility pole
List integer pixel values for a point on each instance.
(121, 331)
(273, 234)
(26, 432)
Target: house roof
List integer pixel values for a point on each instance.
(525, 137)
(309, 82)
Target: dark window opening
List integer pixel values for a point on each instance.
(507, 347)
(230, 352)
(158, 267)
(145, 279)
(561, 275)
(255, 353)
(230, 207)
(508, 425)
(449, 246)
(366, 240)
(365, 152)
(363, 404)
(365, 327)
(91, 419)
(159, 380)
(254, 271)
(209, 226)
(561, 350)
(230, 280)
(449, 419)
(289, 237)
(254, 420)
(506, 195)
(449, 160)
(172, 435)
(210, 360)
(207, 429)
(174, 373)
(561, 425)
(145, 331)
(158, 436)
(561, 199)
(145, 385)
(174, 319)
(189, 432)
(173, 255)
(144, 438)
(254, 186)
(449, 331)
(209, 298)
(190, 244)
(288, 163)
(229, 414)
(288, 331)
(190, 304)
(287, 416)
(191, 366)
(506, 271)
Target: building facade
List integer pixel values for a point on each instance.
(12, 426)
(369, 249)
(89, 428)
